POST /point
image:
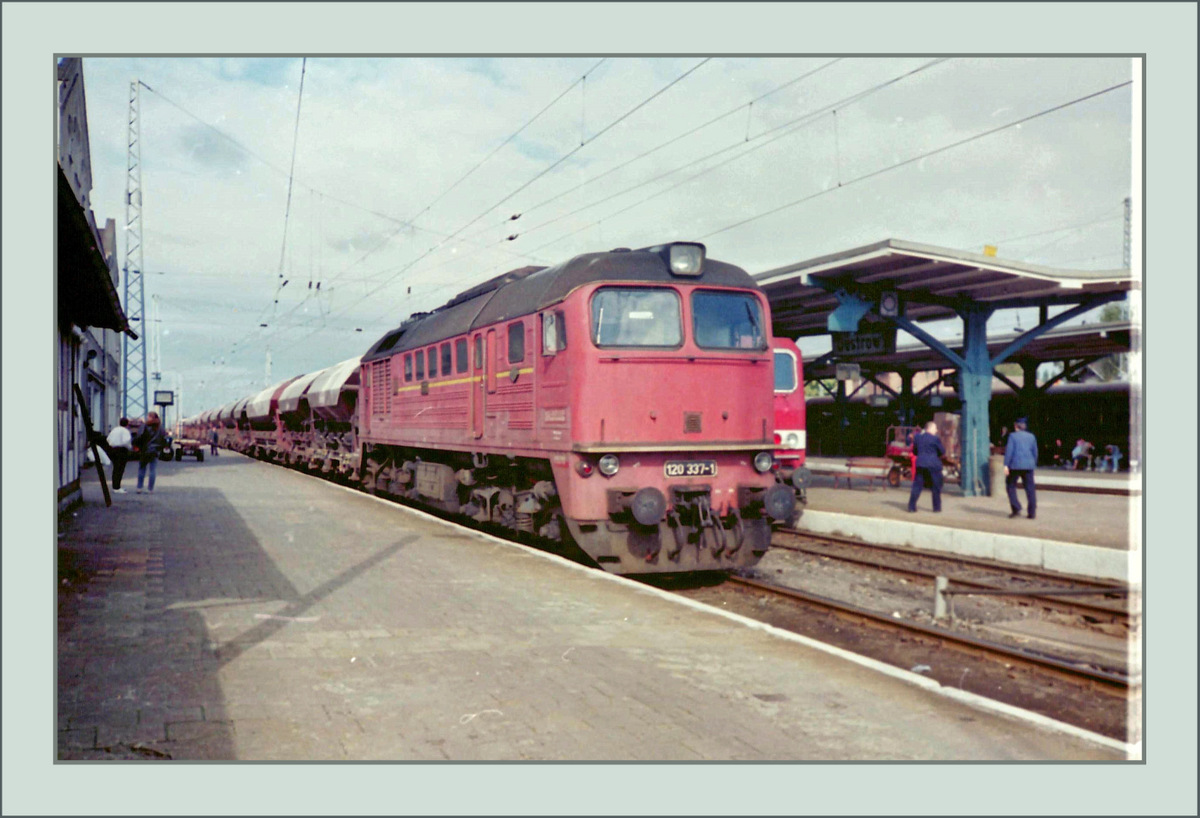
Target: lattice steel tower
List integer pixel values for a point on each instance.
(134, 371)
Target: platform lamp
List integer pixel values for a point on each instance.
(889, 304)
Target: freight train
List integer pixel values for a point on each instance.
(621, 401)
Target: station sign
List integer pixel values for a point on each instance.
(164, 397)
(875, 342)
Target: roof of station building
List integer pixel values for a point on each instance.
(1058, 344)
(932, 281)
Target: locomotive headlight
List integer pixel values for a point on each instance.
(585, 468)
(763, 462)
(686, 259)
(609, 464)
(793, 440)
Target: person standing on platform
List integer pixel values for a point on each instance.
(1020, 459)
(120, 446)
(212, 440)
(929, 452)
(149, 442)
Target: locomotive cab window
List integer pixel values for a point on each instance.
(431, 353)
(636, 317)
(420, 356)
(785, 372)
(554, 333)
(446, 364)
(408, 370)
(516, 343)
(727, 320)
(460, 355)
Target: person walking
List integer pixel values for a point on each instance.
(929, 452)
(149, 442)
(1020, 459)
(212, 443)
(120, 448)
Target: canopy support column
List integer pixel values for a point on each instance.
(975, 383)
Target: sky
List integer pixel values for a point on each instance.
(376, 187)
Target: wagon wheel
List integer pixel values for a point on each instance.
(893, 476)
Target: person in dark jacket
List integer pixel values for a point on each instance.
(929, 452)
(212, 441)
(1020, 459)
(147, 445)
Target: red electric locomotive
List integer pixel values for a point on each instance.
(790, 436)
(621, 399)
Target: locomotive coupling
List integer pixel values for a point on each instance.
(780, 502)
(648, 506)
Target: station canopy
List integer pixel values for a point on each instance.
(1058, 344)
(933, 283)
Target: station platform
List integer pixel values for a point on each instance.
(1076, 531)
(243, 611)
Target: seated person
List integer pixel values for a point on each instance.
(1079, 455)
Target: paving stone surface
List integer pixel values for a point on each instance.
(246, 612)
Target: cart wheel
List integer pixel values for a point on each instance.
(893, 476)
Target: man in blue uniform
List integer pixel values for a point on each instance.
(929, 451)
(1020, 459)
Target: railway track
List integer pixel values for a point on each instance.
(1108, 679)
(1110, 600)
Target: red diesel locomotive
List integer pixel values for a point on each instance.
(620, 400)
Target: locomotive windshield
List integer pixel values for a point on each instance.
(636, 317)
(725, 320)
(785, 371)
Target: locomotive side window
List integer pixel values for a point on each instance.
(554, 333)
(516, 342)
(479, 352)
(420, 356)
(408, 367)
(460, 355)
(724, 320)
(446, 365)
(636, 317)
(785, 372)
(432, 354)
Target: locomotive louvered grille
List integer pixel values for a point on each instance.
(691, 422)
(381, 388)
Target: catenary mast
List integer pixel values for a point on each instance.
(134, 371)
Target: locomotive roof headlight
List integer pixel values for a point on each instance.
(686, 259)
(763, 461)
(609, 464)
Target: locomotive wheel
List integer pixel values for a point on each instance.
(893, 476)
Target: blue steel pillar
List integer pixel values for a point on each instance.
(975, 385)
(907, 402)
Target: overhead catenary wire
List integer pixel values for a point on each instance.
(663, 145)
(384, 241)
(853, 98)
(780, 131)
(555, 164)
(921, 156)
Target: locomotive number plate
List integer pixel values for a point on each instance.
(690, 468)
